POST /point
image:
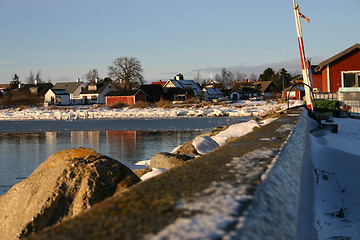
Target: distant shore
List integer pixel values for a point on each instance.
(244, 108)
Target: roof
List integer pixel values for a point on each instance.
(337, 56)
(152, 89)
(176, 83)
(213, 91)
(295, 88)
(42, 88)
(241, 85)
(99, 88)
(162, 83)
(253, 86)
(119, 93)
(70, 87)
(263, 86)
(5, 86)
(60, 91)
(192, 84)
(237, 91)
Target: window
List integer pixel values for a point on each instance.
(351, 79)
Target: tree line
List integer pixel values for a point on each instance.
(127, 74)
(227, 79)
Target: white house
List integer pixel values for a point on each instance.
(184, 84)
(94, 93)
(74, 89)
(57, 97)
(237, 95)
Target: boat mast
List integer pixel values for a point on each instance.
(305, 64)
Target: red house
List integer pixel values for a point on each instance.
(341, 70)
(296, 93)
(125, 97)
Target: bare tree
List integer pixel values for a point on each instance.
(92, 75)
(34, 78)
(197, 77)
(240, 76)
(226, 78)
(253, 77)
(31, 78)
(127, 72)
(38, 78)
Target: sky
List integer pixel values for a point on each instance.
(68, 38)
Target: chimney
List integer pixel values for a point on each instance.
(78, 80)
(36, 82)
(96, 80)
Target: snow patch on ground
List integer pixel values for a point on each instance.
(336, 159)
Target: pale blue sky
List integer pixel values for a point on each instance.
(65, 39)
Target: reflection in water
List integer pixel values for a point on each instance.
(22, 153)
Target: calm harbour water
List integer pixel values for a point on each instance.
(23, 151)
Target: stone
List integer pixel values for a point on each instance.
(66, 184)
(187, 148)
(141, 172)
(168, 160)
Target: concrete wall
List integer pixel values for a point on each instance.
(282, 207)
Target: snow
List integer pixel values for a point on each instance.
(236, 130)
(336, 159)
(204, 144)
(154, 172)
(240, 109)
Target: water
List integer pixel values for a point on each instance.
(25, 145)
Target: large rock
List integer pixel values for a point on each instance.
(167, 160)
(66, 184)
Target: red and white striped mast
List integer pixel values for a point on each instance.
(305, 64)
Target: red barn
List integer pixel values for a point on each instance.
(125, 97)
(341, 70)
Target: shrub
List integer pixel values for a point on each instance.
(140, 105)
(117, 105)
(164, 104)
